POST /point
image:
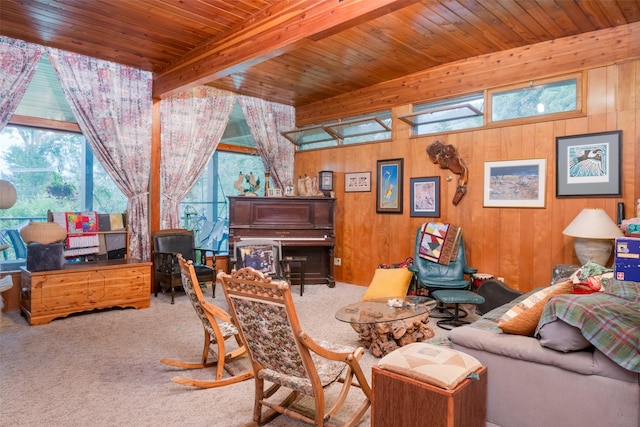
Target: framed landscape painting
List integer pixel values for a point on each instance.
(589, 165)
(515, 183)
(389, 186)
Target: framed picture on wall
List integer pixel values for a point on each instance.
(589, 165)
(515, 183)
(357, 181)
(389, 186)
(425, 196)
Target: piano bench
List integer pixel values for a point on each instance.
(300, 260)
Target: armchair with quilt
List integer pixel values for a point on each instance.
(167, 244)
(446, 283)
(284, 355)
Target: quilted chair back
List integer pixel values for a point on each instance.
(269, 328)
(194, 293)
(441, 276)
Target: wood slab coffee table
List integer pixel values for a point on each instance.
(382, 327)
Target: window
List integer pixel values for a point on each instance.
(353, 130)
(52, 170)
(205, 210)
(545, 97)
(451, 114)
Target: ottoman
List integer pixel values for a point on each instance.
(428, 385)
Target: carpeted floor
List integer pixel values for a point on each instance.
(103, 369)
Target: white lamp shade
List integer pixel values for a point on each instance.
(593, 223)
(8, 194)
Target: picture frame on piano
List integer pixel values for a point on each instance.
(325, 181)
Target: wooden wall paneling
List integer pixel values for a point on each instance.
(491, 226)
(521, 245)
(475, 234)
(543, 145)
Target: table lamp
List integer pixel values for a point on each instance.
(593, 231)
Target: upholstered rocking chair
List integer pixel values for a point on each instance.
(284, 355)
(217, 329)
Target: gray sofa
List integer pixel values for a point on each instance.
(532, 385)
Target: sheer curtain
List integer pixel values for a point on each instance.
(113, 106)
(18, 62)
(266, 120)
(192, 123)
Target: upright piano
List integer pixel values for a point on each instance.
(303, 225)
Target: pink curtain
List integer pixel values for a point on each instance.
(113, 106)
(266, 120)
(192, 124)
(18, 62)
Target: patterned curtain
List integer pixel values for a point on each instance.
(113, 106)
(192, 124)
(18, 62)
(266, 120)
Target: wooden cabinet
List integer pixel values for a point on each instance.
(46, 295)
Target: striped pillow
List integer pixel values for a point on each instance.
(522, 318)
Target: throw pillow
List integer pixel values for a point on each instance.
(433, 364)
(561, 336)
(388, 283)
(522, 318)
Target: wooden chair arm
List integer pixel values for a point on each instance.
(216, 312)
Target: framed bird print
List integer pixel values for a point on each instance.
(389, 186)
(589, 165)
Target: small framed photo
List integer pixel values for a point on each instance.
(326, 181)
(425, 196)
(389, 186)
(589, 165)
(274, 192)
(357, 181)
(515, 183)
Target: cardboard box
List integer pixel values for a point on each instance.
(627, 259)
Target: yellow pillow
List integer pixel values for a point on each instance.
(388, 283)
(522, 318)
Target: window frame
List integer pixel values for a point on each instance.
(581, 101)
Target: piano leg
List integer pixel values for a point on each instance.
(332, 281)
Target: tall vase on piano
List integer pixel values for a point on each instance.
(267, 183)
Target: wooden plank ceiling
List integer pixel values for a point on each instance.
(298, 52)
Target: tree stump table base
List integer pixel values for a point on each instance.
(384, 337)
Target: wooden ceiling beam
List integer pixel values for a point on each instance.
(276, 30)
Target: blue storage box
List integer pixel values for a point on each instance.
(627, 259)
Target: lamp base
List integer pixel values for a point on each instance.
(596, 250)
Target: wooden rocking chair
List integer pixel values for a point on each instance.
(285, 356)
(217, 328)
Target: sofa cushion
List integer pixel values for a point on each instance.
(560, 336)
(522, 318)
(432, 364)
(388, 283)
